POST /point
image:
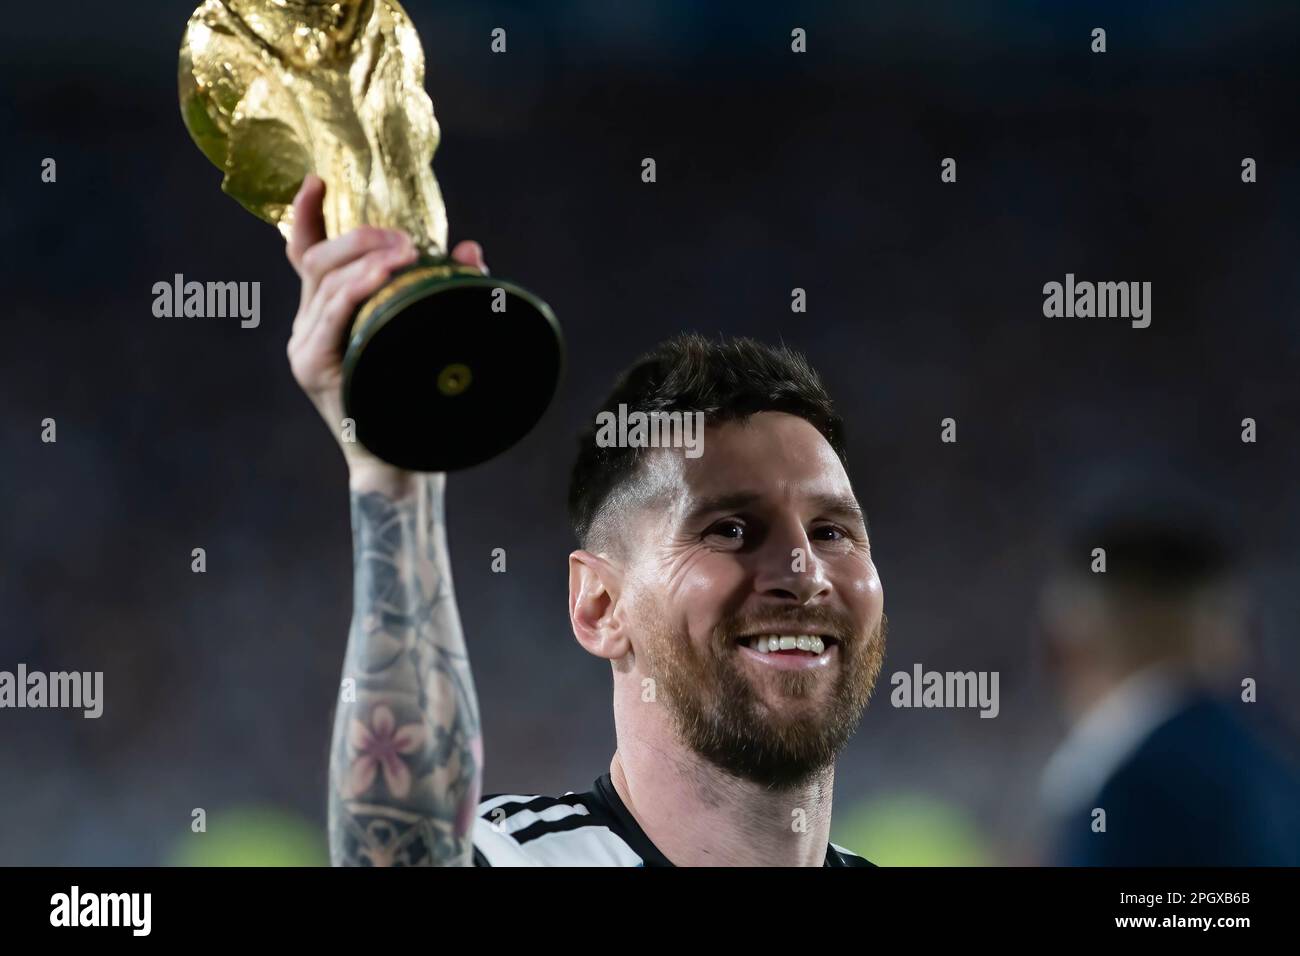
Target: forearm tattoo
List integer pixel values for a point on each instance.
(407, 752)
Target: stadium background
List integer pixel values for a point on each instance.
(774, 171)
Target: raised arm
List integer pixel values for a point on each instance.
(407, 756)
(407, 751)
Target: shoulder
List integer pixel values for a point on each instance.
(1204, 789)
(1209, 750)
(515, 829)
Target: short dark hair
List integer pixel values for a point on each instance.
(1163, 535)
(727, 380)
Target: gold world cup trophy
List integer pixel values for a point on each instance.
(444, 366)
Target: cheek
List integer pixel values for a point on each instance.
(705, 591)
(863, 591)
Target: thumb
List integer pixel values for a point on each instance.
(308, 218)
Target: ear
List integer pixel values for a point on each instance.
(595, 584)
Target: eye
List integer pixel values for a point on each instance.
(832, 533)
(729, 528)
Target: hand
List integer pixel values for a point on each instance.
(338, 275)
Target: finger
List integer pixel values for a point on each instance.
(338, 311)
(346, 288)
(387, 257)
(470, 253)
(308, 218)
(328, 257)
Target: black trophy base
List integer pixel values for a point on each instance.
(436, 379)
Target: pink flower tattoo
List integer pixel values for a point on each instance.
(382, 744)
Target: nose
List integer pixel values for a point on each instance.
(789, 569)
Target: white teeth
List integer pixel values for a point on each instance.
(767, 643)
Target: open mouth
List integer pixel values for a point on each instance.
(810, 645)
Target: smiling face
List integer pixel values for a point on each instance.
(761, 545)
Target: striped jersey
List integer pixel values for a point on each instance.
(577, 829)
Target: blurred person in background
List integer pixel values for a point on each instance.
(1147, 656)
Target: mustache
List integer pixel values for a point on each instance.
(825, 621)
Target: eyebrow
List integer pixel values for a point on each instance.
(832, 505)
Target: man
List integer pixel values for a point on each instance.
(1177, 775)
(733, 593)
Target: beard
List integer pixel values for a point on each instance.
(717, 711)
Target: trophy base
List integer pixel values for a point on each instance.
(435, 380)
